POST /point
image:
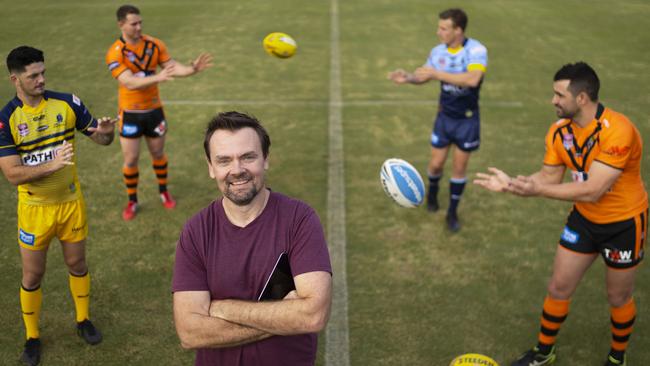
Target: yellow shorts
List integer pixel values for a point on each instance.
(38, 224)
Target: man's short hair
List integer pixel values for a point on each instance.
(457, 16)
(125, 10)
(234, 121)
(20, 57)
(582, 78)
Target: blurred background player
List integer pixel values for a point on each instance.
(133, 60)
(603, 150)
(37, 144)
(459, 63)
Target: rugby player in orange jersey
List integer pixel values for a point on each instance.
(133, 60)
(603, 150)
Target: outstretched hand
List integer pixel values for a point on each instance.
(105, 126)
(202, 62)
(398, 76)
(426, 73)
(495, 181)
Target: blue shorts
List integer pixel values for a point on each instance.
(462, 132)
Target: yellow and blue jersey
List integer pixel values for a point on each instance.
(34, 133)
(456, 101)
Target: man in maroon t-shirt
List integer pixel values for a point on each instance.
(227, 251)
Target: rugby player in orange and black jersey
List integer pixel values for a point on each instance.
(603, 150)
(133, 60)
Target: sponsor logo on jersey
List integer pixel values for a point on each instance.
(567, 141)
(579, 176)
(23, 129)
(38, 118)
(59, 119)
(130, 56)
(26, 237)
(113, 65)
(618, 256)
(76, 100)
(454, 89)
(38, 157)
(128, 130)
(617, 150)
(442, 62)
(42, 128)
(570, 236)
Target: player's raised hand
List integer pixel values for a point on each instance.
(398, 76)
(105, 126)
(524, 186)
(425, 73)
(495, 181)
(63, 155)
(202, 62)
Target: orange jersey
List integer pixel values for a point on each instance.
(142, 59)
(610, 139)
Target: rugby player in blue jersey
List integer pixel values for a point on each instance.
(459, 63)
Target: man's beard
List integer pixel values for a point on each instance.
(241, 198)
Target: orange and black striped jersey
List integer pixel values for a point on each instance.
(34, 134)
(142, 59)
(610, 139)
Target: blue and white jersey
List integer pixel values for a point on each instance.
(457, 101)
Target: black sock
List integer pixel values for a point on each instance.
(433, 188)
(456, 187)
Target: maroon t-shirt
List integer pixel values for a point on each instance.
(232, 262)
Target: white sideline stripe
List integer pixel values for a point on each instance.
(336, 335)
(339, 103)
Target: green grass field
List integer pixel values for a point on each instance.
(417, 294)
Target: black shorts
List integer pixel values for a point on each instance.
(620, 243)
(135, 124)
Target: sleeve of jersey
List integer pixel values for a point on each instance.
(115, 61)
(478, 58)
(616, 146)
(430, 60)
(84, 119)
(164, 54)
(308, 251)
(7, 143)
(551, 156)
(190, 273)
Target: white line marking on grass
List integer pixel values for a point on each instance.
(336, 335)
(349, 103)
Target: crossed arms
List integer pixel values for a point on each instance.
(205, 323)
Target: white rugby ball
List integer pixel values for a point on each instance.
(402, 183)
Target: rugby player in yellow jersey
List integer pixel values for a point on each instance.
(603, 150)
(37, 144)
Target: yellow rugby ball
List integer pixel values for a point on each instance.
(280, 45)
(473, 359)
